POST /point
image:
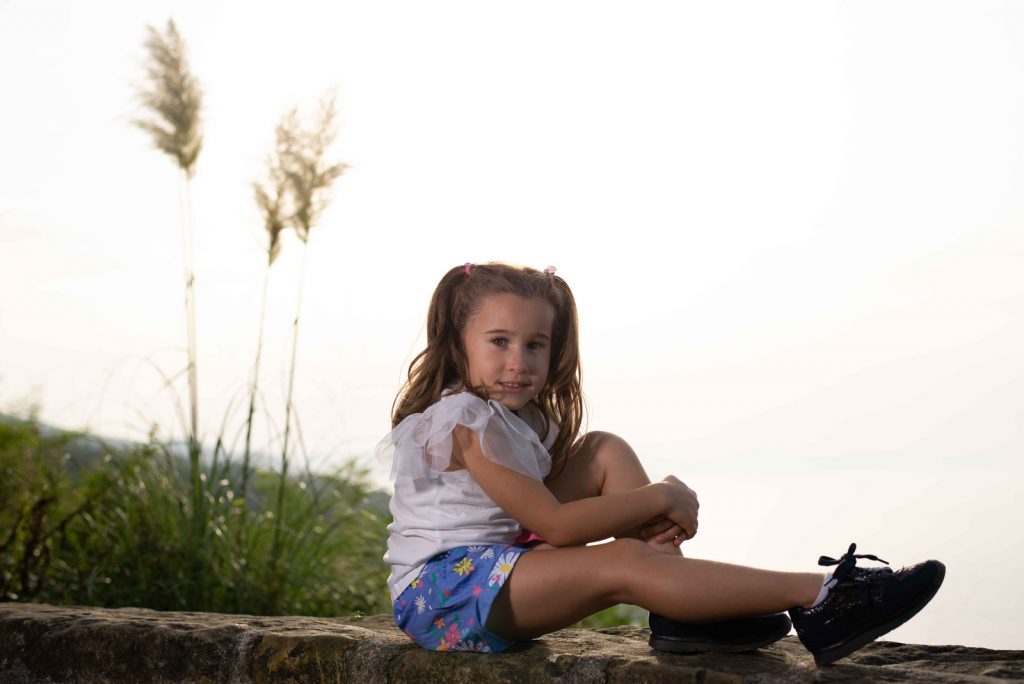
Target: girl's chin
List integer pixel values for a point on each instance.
(512, 404)
(515, 402)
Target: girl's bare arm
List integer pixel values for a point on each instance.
(575, 522)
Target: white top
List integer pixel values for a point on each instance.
(435, 509)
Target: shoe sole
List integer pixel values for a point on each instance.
(829, 655)
(698, 646)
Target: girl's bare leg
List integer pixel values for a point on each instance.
(604, 464)
(552, 588)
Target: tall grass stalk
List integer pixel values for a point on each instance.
(254, 386)
(172, 100)
(309, 178)
(273, 201)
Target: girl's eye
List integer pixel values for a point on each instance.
(536, 345)
(500, 341)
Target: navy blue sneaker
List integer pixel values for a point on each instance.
(723, 636)
(863, 604)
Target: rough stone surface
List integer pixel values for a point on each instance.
(42, 643)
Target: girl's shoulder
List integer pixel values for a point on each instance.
(422, 443)
(464, 408)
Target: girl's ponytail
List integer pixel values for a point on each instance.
(429, 373)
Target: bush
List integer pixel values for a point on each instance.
(142, 529)
(37, 503)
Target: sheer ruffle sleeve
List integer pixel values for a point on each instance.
(420, 447)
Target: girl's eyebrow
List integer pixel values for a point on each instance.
(509, 332)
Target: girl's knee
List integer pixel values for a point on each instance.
(619, 467)
(603, 463)
(607, 449)
(597, 440)
(627, 549)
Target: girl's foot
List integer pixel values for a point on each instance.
(724, 636)
(863, 604)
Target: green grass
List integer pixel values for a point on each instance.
(622, 614)
(139, 528)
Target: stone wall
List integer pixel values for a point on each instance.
(42, 643)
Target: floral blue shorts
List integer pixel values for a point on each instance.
(446, 607)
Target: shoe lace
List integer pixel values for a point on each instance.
(847, 564)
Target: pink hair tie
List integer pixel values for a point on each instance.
(468, 267)
(550, 270)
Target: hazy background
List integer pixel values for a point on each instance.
(794, 230)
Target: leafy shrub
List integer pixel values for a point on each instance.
(142, 528)
(37, 503)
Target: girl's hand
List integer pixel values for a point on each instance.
(654, 527)
(662, 531)
(680, 507)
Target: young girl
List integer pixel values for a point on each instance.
(496, 498)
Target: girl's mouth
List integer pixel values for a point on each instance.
(513, 386)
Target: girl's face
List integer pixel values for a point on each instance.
(508, 347)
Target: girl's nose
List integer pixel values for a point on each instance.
(517, 361)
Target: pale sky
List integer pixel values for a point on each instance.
(793, 230)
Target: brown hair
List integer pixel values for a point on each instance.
(443, 363)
